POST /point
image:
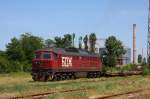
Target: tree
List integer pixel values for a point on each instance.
(85, 40)
(148, 61)
(92, 39)
(14, 50)
(29, 44)
(59, 42)
(4, 65)
(19, 53)
(49, 43)
(67, 40)
(73, 37)
(64, 42)
(144, 61)
(139, 58)
(114, 49)
(80, 42)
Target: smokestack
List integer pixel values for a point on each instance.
(134, 43)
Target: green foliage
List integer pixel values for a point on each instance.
(29, 44)
(85, 40)
(64, 42)
(92, 39)
(4, 65)
(73, 37)
(19, 53)
(114, 49)
(14, 50)
(139, 58)
(59, 42)
(16, 66)
(144, 61)
(125, 68)
(67, 40)
(148, 61)
(7, 66)
(80, 42)
(49, 43)
(146, 69)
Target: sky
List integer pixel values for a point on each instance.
(50, 18)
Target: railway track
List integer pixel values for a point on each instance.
(42, 95)
(130, 94)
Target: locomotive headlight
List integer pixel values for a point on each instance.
(37, 63)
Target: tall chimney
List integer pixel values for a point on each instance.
(134, 43)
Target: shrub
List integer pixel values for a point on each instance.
(26, 67)
(4, 65)
(128, 67)
(16, 66)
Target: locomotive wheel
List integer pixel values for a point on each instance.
(56, 77)
(95, 75)
(89, 75)
(47, 78)
(35, 78)
(42, 78)
(63, 77)
(67, 77)
(71, 76)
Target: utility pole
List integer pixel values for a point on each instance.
(148, 37)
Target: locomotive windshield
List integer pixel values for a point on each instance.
(46, 55)
(43, 55)
(37, 55)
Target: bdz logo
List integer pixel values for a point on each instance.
(66, 61)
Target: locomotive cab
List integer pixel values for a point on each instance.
(42, 64)
(41, 60)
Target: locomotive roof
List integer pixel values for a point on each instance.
(70, 51)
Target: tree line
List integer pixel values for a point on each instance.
(20, 51)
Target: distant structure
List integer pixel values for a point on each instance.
(134, 43)
(100, 43)
(148, 36)
(126, 58)
(123, 60)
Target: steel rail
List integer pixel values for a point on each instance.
(120, 94)
(41, 95)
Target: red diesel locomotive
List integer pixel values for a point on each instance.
(65, 63)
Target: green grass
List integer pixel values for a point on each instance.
(125, 68)
(17, 84)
